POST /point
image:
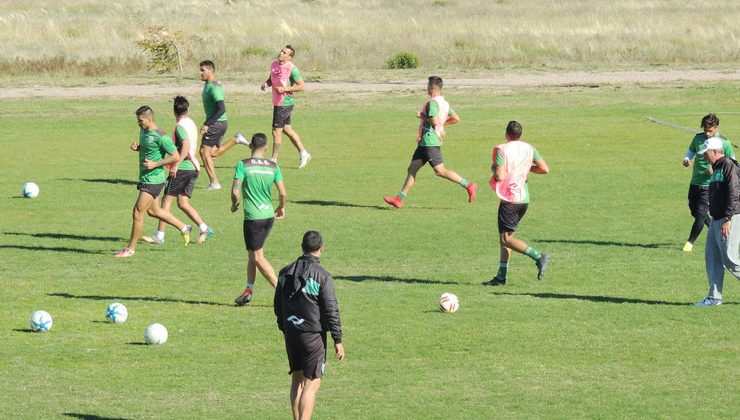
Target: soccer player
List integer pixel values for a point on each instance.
(306, 308)
(153, 145)
(253, 178)
(435, 114)
(512, 162)
(699, 185)
(214, 128)
(723, 238)
(285, 79)
(183, 174)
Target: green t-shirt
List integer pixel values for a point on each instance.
(180, 136)
(212, 93)
(428, 136)
(257, 176)
(699, 175)
(536, 157)
(153, 145)
(295, 77)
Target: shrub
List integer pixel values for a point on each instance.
(403, 60)
(162, 49)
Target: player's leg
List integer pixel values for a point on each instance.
(314, 358)
(264, 266)
(303, 154)
(308, 397)
(185, 188)
(296, 389)
(255, 235)
(699, 207)
(206, 156)
(435, 157)
(397, 200)
(157, 237)
(169, 218)
(277, 141)
(715, 269)
(141, 207)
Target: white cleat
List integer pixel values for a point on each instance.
(240, 139)
(213, 187)
(305, 157)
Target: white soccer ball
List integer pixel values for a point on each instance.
(30, 190)
(155, 334)
(41, 321)
(448, 303)
(116, 313)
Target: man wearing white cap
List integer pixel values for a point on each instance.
(723, 239)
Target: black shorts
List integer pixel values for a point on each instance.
(281, 116)
(698, 200)
(215, 134)
(509, 216)
(431, 154)
(182, 184)
(152, 189)
(256, 233)
(306, 352)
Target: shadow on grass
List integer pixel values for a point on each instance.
(337, 204)
(138, 343)
(24, 330)
(51, 248)
(66, 236)
(360, 279)
(603, 243)
(91, 416)
(114, 181)
(597, 299)
(144, 298)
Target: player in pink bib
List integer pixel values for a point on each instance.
(433, 117)
(512, 163)
(285, 79)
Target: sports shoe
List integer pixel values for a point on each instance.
(542, 263)
(396, 201)
(688, 247)
(273, 160)
(709, 302)
(472, 190)
(213, 187)
(125, 252)
(204, 236)
(304, 158)
(240, 139)
(244, 298)
(496, 281)
(186, 234)
(154, 239)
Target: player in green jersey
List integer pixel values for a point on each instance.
(216, 124)
(435, 114)
(702, 171)
(153, 145)
(253, 179)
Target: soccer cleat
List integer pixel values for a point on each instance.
(542, 263)
(304, 158)
(688, 247)
(244, 298)
(472, 190)
(186, 234)
(396, 201)
(204, 236)
(496, 281)
(154, 239)
(273, 160)
(709, 302)
(213, 187)
(125, 252)
(240, 139)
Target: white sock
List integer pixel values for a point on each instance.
(203, 227)
(250, 286)
(184, 229)
(304, 152)
(159, 234)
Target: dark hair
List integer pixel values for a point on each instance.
(181, 105)
(436, 81)
(709, 121)
(312, 241)
(292, 50)
(514, 130)
(259, 140)
(208, 63)
(144, 110)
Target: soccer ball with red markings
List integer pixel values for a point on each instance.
(448, 303)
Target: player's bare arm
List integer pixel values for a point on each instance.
(135, 146)
(174, 157)
(236, 188)
(540, 167)
(452, 119)
(280, 210)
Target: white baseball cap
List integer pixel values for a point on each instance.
(712, 143)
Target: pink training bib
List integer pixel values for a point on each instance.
(189, 126)
(518, 158)
(280, 76)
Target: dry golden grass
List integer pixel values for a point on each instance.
(87, 37)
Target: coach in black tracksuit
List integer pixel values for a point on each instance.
(306, 308)
(723, 239)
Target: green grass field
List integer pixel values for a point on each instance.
(609, 333)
